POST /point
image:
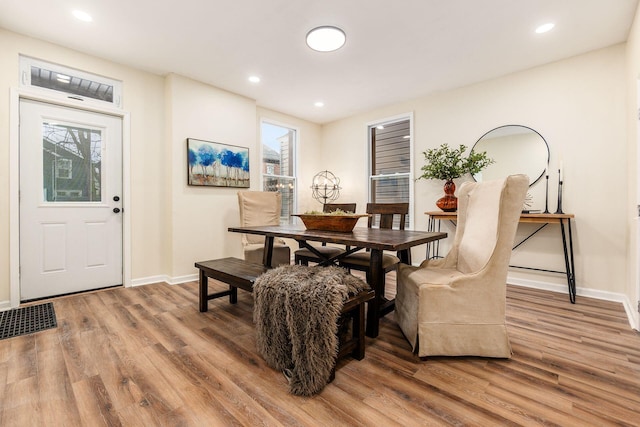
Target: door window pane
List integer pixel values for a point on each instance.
(71, 163)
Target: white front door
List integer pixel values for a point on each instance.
(70, 200)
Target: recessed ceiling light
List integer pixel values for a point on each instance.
(545, 27)
(83, 16)
(380, 127)
(326, 39)
(319, 104)
(254, 79)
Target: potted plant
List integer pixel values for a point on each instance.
(446, 164)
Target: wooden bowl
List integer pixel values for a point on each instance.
(342, 223)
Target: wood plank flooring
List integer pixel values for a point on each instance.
(145, 356)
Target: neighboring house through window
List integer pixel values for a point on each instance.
(71, 163)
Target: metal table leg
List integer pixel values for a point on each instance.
(568, 260)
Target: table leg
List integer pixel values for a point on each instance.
(375, 277)
(568, 260)
(433, 248)
(573, 271)
(405, 256)
(204, 291)
(430, 227)
(267, 255)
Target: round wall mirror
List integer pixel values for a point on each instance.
(515, 149)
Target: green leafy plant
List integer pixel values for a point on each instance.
(450, 163)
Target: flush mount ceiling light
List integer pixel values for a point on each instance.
(83, 16)
(326, 38)
(545, 27)
(254, 79)
(319, 104)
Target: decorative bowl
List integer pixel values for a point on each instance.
(328, 222)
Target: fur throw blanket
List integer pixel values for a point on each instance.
(296, 311)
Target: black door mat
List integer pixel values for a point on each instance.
(27, 320)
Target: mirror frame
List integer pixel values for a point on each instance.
(533, 181)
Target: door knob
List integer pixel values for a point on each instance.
(116, 210)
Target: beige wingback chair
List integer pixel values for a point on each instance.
(455, 306)
(261, 208)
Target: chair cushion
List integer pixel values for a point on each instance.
(417, 276)
(328, 251)
(361, 260)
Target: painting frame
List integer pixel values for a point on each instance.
(216, 164)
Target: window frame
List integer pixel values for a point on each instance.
(409, 175)
(294, 167)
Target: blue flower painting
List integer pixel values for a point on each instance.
(217, 165)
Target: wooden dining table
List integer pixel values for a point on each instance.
(375, 240)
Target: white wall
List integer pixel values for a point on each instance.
(633, 192)
(578, 106)
(200, 216)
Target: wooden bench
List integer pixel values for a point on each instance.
(238, 273)
(235, 272)
(353, 309)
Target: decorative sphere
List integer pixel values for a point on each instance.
(326, 187)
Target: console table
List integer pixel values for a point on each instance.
(542, 219)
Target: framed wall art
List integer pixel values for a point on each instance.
(214, 164)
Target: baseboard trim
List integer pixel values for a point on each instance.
(164, 278)
(183, 279)
(142, 281)
(589, 293)
(5, 305)
(150, 280)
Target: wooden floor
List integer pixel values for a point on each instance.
(145, 356)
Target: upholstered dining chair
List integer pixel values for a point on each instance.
(381, 215)
(261, 208)
(455, 306)
(305, 256)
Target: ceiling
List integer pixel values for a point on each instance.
(395, 51)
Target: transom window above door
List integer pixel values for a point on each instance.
(76, 84)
